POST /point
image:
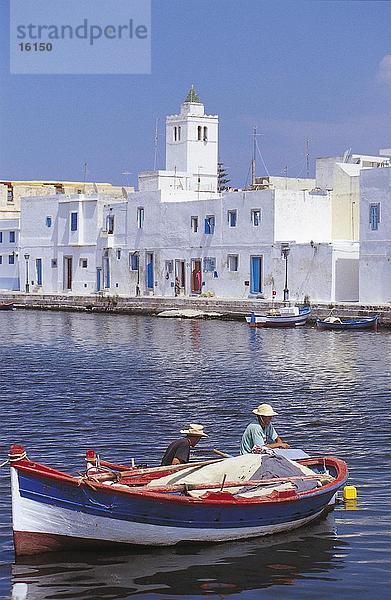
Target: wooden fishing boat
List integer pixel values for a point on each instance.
(6, 305)
(284, 317)
(337, 324)
(53, 510)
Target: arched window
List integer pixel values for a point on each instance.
(175, 134)
(205, 134)
(199, 133)
(179, 133)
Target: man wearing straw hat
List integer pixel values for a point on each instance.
(178, 452)
(261, 433)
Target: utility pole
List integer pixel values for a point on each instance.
(285, 253)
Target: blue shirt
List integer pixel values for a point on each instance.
(256, 435)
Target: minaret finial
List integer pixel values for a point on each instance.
(192, 96)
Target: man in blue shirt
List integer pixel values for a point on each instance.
(261, 433)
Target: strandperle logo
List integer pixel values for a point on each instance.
(80, 36)
(84, 31)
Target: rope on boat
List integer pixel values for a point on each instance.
(15, 457)
(4, 463)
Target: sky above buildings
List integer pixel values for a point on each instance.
(296, 70)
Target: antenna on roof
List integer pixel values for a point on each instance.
(155, 145)
(255, 134)
(253, 162)
(286, 176)
(346, 155)
(127, 178)
(307, 157)
(85, 177)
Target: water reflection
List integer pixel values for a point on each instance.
(182, 571)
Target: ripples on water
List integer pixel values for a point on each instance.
(126, 385)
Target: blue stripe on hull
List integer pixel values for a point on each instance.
(167, 513)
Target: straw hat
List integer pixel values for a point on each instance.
(264, 410)
(195, 429)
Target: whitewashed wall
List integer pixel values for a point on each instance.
(345, 272)
(9, 251)
(302, 216)
(54, 243)
(167, 233)
(375, 246)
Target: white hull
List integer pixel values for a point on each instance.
(265, 320)
(31, 517)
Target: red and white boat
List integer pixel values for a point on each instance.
(213, 501)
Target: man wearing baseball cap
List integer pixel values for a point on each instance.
(261, 433)
(178, 452)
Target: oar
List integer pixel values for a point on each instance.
(219, 453)
(210, 486)
(138, 472)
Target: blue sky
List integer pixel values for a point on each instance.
(295, 69)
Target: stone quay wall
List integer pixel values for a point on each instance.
(228, 309)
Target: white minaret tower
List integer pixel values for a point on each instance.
(192, 144)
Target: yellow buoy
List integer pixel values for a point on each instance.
(350, 505)
(349, 492)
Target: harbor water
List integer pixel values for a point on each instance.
(125, 386)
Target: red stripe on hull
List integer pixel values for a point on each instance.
(29, 543)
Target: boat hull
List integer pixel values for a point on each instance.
(255, 320)
(46, 528)
(349, 324)
(55, 513)
(6, 306)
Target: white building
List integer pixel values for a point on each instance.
(178, 236)
(339, 177)
(9, 254)
(228, 246)
(375, 236)
(58, 243)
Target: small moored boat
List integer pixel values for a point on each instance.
(291, 316)
(337, 324)
(6, 305)
(214, 501)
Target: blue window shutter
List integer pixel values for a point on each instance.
(74, 221)
(1, 237)
(374, 216)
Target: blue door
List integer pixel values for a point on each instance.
(256, 274)
(106, 269)
(98, 279)
(38, 266)
(150, 270)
